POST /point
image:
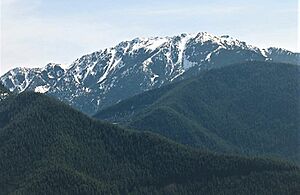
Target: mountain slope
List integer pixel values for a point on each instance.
(4, 93)
(105, 77)
(47, 147)
(251, 108)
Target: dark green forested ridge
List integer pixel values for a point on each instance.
(47, 147)
(250, 108)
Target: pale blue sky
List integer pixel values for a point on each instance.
(35, 32)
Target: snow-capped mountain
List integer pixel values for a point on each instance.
(107, 76)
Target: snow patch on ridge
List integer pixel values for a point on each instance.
(182, 45)
(263, 52)
(113, 63)
(42, 89)
(149, 44)
(154, 76)
(152, 44)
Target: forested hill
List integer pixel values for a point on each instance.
(47, 147)
(250, 108)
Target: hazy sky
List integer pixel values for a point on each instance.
(36, 32)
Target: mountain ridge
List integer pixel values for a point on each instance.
(105, 77)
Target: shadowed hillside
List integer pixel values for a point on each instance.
(249, 108)
(47, 147)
